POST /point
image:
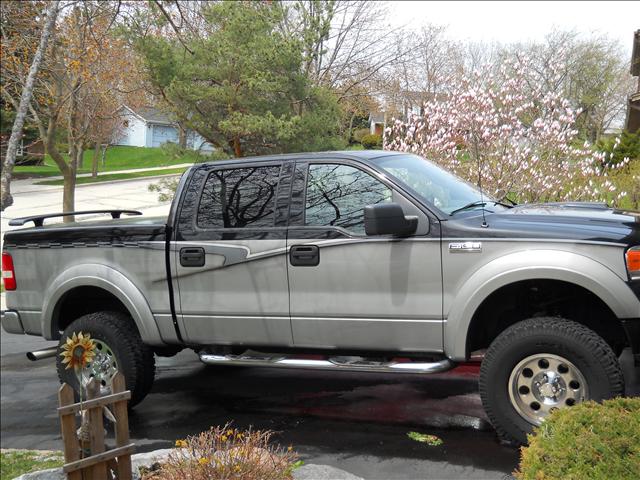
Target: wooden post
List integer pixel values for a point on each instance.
(96, 431)
(68, 428)
(122, 426)
(99, 464)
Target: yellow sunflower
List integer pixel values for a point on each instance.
(78, 350)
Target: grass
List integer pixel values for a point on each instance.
(117, 158)
(17, 462)
(117, 176)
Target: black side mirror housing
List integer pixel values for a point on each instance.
(388, 219)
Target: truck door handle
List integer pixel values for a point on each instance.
(304, 255)
(192, 257)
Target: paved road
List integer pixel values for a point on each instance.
(30, 199)
(357, 422)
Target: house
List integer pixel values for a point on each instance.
(377, 122)
(633, 107)
(150, 127)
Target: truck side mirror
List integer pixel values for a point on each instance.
(388, 219)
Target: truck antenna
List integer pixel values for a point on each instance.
(484, 220)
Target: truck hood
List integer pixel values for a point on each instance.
(569, 221)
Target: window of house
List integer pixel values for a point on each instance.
(239, 198)
(337, 195)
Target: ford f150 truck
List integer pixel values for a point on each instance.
(368, 261)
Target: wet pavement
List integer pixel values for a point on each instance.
(354, 421)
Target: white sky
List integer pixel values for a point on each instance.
(516, 21)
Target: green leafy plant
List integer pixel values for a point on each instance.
(371, 141)
(619, 147)
(360, 133)
(589, 440)
(431, 440)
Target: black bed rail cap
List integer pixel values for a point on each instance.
(38, 220)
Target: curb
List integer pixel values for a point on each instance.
(305, 472)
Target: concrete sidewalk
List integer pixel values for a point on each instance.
(28, 185)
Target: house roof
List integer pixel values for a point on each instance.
(151, 115)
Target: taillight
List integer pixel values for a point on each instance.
(8, 273)
(632, 258)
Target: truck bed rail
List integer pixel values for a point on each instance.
(38, 220)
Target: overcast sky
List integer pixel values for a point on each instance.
(516, 21)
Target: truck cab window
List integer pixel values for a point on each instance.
(337, 195)
(239, 197)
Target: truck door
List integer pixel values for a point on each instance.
(349, 290)
(230, 255)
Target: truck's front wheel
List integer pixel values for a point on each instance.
(118, 347)
(542, 364)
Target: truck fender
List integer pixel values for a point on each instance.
(109, 279)
(528, 265)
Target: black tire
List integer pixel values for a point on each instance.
(550, 335)
(135, 360)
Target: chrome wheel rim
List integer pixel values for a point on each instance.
(544, 382)
(103, 367)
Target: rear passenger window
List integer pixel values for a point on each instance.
(239, 197)
(337, 195)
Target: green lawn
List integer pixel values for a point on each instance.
(15, 463)
(116, 176)
(117, 158)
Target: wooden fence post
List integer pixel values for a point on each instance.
(96, 431)
(68, 428)
(122, 426)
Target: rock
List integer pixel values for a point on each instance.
(306, 472)
(322, 472)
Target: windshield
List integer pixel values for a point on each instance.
(432, 183)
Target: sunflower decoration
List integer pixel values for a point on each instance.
(78, 351)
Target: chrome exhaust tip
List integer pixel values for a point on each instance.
(42, 354)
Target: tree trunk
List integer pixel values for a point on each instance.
(16, 131)
(94, 160)
(69, 194)
(237, 149)
(104, 155)
(182, 137)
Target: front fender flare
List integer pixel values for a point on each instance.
(529, 265)
(109, 279)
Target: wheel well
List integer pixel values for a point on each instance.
(532, 298)
(81, 301)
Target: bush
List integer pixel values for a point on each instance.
(619, 147)
(589, 440)
(360, 133)
(226, 453)
(371, 141)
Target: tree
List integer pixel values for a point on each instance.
(240, 82)
(520, 141)
(25, 99)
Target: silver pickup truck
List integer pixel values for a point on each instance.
(368, 261)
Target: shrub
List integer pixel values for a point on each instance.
(371, 141)
(223, 453)
(360, 133)
(619, 147)
(589, 440)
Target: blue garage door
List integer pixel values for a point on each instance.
(163, 134)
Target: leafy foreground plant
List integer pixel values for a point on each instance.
(589, 440)
(431, 440)
(223, 453)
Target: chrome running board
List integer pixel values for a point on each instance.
(257, 359)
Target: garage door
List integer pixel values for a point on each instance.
(163, 134)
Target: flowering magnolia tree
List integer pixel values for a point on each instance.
(519, 137)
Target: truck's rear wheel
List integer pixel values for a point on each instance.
(118, 348)
(542, 364)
